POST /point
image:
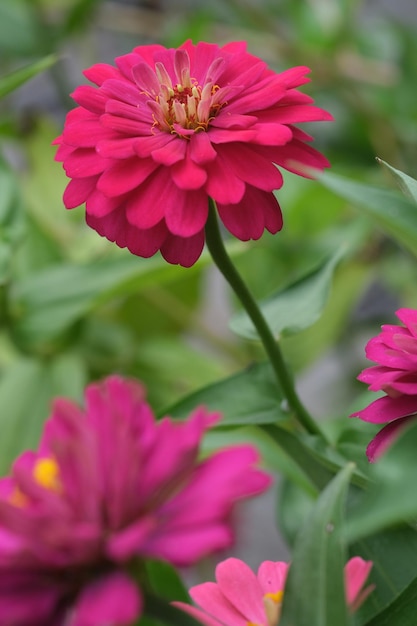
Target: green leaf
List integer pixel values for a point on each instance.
(15, 79)
(393, 213)
(12, 222)
(294, 308)
(402, 611)
(390, 499)
(79, 16)
(18, 35)
(318, 474)
(315, 591)
(26, 390)
(165, 581)
(161, 611)
(406, 183)
(48, 303)
(249, 397)
(394, 556)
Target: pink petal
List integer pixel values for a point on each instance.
(187, 545)
(200, 148)
(188, 175)
(247, 219)
(185, 252)
(130, 540)
(99, 205)
(84, 162)
(221, 185)
(188, 215)
(114, 599)
(272, 576)
(356, 572)
(116, 148)
(386, 437)
(146, 205)
(100, 72)
(90, 98)
(251, 167)
(170, 153)
(124, 175)
(298, 158)
(86, 134)
(201, 616)
(122, 90)
(212, 600)
(240, 586)
(387, 409)
(166, 465)
(78, 190)
(409, 318)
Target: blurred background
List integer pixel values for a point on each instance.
(75, 308)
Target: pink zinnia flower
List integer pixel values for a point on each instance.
(166, 129)
(240, 597)
(109, 485)
(395, 349)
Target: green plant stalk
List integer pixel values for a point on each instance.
(222, 260)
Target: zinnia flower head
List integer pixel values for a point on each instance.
(242, 598)
(108, 486)
(395, 351)
(166, 129)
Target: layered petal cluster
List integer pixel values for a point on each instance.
(240, 597)
(395, 351)
(108, 486)
(166, 129)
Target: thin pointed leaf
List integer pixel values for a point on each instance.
(295, 307)
(15, 79)
(393, 213)
(406, 183)
(315, 591)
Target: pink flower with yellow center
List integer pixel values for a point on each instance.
(108, 487)
(395, 351)
(166, 129)
(241, 598)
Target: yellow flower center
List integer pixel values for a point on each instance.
(185, 107)
(46, 474)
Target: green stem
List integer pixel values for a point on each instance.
(222, 260)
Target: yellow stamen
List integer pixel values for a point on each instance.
(46, 474)
(272, 605)
(276, 597)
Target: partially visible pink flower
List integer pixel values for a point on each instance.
(166, 129)
(109, 485)
(395, 351)
(240, 597)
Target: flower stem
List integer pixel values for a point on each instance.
(222, 260)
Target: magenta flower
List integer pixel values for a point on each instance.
(108, 486)
(395, 350)
(166, 129)
(240, 597)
